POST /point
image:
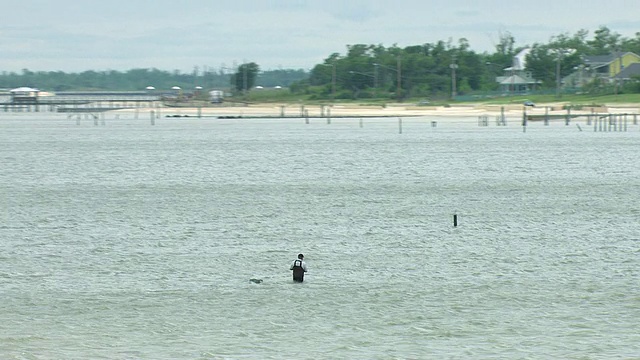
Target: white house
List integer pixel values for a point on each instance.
(24, 95)
(516, 79)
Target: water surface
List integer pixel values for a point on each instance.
(127, 240)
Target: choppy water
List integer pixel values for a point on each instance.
(129, 241)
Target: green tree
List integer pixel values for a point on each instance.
(245, 77)
(280, 77)
(632, 44)
(559, 58)
(605, 42)
(503, 56)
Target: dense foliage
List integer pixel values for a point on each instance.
(245, 78)
(437, 70)
(139, 79)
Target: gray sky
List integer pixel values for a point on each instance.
(73, 35)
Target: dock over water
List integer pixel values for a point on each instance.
(76, 102)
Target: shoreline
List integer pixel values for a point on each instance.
(479, 111)
(266, 110)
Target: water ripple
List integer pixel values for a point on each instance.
(132, 241)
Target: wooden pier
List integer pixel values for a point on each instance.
(79, 102)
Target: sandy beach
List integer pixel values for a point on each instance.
(392, 110)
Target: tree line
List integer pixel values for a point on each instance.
(140, 79)
(437, 69)
(430, 70)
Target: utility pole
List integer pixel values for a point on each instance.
(560, 53)
(558, 73)
(453, 67)
(333, 81)
(375, 81)
(398, 93)
(195, 75)
(245, 81)
(513, 74)
(620, 67)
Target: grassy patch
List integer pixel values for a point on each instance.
(271, 95)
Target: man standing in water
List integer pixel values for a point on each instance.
(299, 267)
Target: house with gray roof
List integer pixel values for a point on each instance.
(629, 73)
(607, 67)
(610, 68)
(516, 79)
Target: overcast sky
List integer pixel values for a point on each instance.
(75, 35)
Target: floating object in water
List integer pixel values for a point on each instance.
(257, 281)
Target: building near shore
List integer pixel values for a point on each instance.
(24, 95)
(516, 79)
(216, 96)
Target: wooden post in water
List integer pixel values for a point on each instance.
(455, 220)
(153, 117)
(400, 125)
(361, 124)
(620, 121)
(306, 117)
(328, 116)
(568, 116)
(617, 125)
(281, 111)
(546, 116)
(610, 122)
(524, 119)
